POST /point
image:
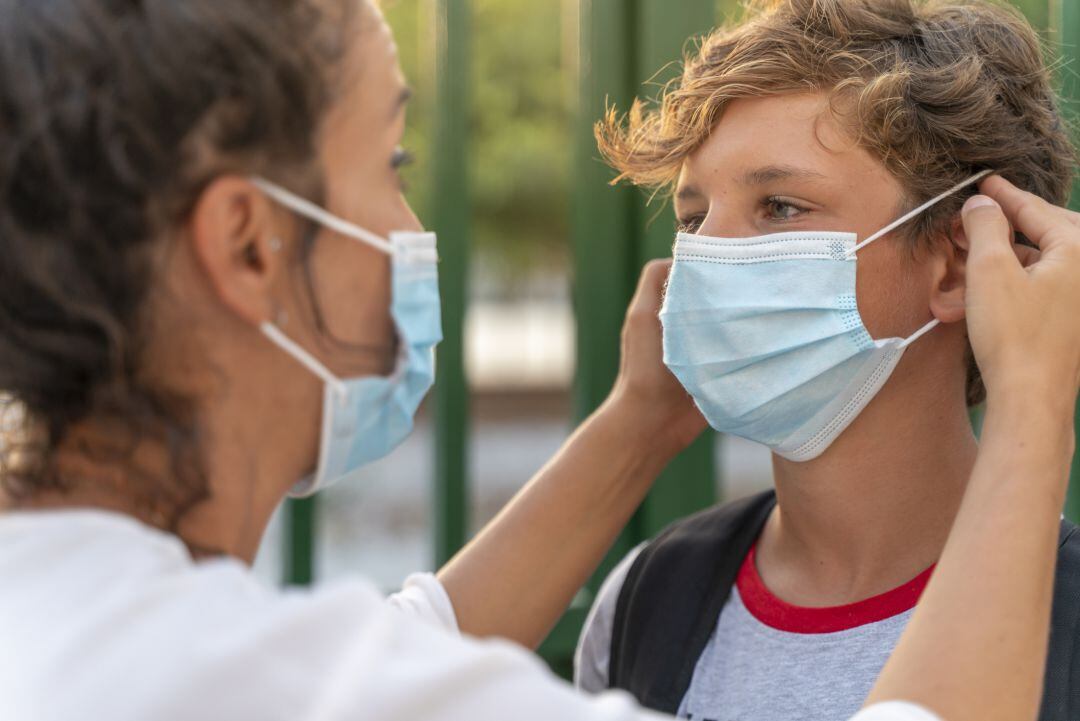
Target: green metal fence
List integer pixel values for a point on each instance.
(450, 219)
(622, 44)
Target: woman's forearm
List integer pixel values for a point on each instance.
(976, 646)
(519, 575)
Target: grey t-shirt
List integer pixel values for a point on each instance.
(753, 670)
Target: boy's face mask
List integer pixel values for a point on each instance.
(765, 334)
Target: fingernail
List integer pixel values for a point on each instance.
(977, 201)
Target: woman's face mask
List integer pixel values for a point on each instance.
(366, 417)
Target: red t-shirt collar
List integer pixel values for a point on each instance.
(783, 616)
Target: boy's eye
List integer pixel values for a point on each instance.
(691, 225)
(782, 209)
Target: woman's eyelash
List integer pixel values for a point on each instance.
(400, 159)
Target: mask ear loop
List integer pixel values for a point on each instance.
(904, 219)
(919, 333)
(918, 211)
(304, 358)
(313, 212)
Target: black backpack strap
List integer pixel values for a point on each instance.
(672, 597)
(1061, 694)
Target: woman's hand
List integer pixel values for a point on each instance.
(517, 577)
(645, 390)
(976, 647)
(1024, 322)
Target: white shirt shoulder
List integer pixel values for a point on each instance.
(101, 617)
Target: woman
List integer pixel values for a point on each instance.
(183, 338)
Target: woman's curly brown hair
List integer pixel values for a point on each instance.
(934, 90)
(114, 116)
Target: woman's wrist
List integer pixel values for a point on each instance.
(1035, 430)
(645, 435)
(1033, 401)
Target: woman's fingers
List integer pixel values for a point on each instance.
(1021, 305)
(1039, 220)
(1027, 255)
(990, 237)
(650, 288)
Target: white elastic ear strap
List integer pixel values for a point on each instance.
(920, 333)
(309, 361)
(918, 211)
(313, 212)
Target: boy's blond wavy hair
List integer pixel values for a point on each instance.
(934, 90)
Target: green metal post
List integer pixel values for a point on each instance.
(689, 482)
(603, 217)
(622, 44)
(1065, 18)
(604, 258)
(300, 514)
(450, 215)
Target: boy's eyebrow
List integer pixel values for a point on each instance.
(688, 193)
(757, 176)
(772, 173)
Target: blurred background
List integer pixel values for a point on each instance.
(540, 257)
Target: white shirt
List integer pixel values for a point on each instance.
(104, 618)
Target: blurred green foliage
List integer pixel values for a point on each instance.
(519, 130)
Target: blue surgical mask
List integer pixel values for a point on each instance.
(365, 418)
(765, 334)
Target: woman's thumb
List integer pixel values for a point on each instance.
(988, 233)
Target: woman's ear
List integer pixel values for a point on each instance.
(949, 275)
(234, 235)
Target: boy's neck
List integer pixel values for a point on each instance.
(875, 510)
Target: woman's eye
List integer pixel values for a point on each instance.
(782, 209)
(400, 160)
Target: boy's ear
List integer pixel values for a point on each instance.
(949, 275)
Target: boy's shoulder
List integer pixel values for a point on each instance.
(713, 541)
